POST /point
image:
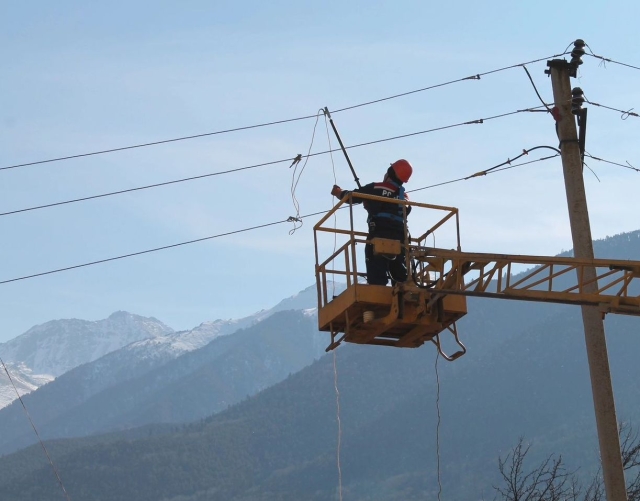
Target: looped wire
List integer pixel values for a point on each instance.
(295, 180)
(627, 114)
(295, 220)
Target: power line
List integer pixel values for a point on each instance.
(286, 160)
(148, 251)
(139, 188)
(477, 76)
(535, 88)
(497, 168)
(219, 235)
(626, 166)
(275, 122)
(609, 60)
(155, 143)
(623, 114)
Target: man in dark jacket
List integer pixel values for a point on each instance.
(385, 221)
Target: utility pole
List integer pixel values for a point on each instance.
(601, 386)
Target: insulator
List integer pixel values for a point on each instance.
(577, 100)
(577, 52)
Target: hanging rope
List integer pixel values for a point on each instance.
(438, 424)
(335, 384)
(333, 294)
(297, 220)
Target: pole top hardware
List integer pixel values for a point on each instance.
(577, 100)
(576, 59)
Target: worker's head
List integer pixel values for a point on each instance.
(400, 171)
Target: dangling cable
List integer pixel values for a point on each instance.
(438, 424)
(335, 384)
(297, 220)
(55, 471)
(333, 294)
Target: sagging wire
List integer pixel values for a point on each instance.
(24, 407)
(509, 160)
(536, 89)
(496, 168)
(297, 221)
(592, 171)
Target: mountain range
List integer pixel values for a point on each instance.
(162, 377)
(409, 422)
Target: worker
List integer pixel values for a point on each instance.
(385, 221)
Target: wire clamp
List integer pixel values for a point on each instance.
(296, 160)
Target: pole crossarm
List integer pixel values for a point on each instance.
(546, 279)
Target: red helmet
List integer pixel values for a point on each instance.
(402, 169)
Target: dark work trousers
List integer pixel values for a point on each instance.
(379, 267)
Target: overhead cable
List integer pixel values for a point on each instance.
(623, 114)
(609, 60)
(139, 188)
(295, 160)
(626, 166)
(148, 251)
(154, 143)
(497, 168)
(266, 124)
(219, 235)
(535, 88)
(477, 76)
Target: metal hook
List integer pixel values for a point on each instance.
(436, 340)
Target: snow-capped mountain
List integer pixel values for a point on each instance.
(51, 349)
(23, 379)
(57, 346)
(135, 344)
(174, 344)
(167, 379)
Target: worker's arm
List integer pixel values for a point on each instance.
(338, 192)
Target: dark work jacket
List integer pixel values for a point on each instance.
(385, 217)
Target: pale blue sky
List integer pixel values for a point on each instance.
(83, 76)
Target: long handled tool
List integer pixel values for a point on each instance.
(344, 150)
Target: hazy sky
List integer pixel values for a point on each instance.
(84, 76)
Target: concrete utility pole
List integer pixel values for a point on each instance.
(602, 389)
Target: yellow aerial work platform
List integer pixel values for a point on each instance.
(434, 297)
(403, 315)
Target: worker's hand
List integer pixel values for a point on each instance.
(336, 191)
(406, 196)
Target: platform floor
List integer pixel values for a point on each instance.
(403, 317)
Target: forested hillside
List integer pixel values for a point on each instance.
(525, 375)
